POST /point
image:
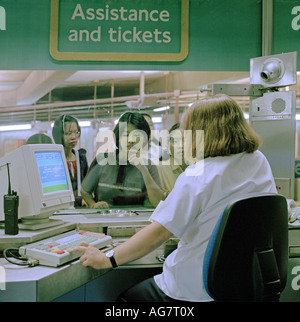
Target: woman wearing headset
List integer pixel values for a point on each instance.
(66, 131)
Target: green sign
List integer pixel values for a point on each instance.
(286, 27)
(119, 31)
(208, 35)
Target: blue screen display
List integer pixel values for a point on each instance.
(52, 171)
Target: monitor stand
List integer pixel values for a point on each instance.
(29, 236)
(35, 223)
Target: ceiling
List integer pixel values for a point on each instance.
(27, 96)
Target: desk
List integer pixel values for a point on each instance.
(73, 282)
(44, 284)
(41, 283)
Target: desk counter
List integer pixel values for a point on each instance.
(44, 284)
(41, 283)
(73, 282)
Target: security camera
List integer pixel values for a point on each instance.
(274, 71)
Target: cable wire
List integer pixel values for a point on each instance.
(22, 261)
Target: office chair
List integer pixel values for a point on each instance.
(247, 254)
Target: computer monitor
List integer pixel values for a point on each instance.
(39, 174)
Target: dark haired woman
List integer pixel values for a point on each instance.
(116, 181)
(39, 138)
(66, 131)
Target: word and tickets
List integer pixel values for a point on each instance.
(120, 34)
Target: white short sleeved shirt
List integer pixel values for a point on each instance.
(192, 209)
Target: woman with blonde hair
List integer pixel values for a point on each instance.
(225, 129)
(233, 166)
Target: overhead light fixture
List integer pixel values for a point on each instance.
(160, 109)
(156, 119)
(81, 123)
(85, 123)
(16, 127)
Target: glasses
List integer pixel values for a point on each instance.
(76, 133)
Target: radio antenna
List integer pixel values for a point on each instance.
(9, 185)
(8, 174)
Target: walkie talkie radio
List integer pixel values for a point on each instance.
(11, 205)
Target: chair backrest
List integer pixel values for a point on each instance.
(247, 254)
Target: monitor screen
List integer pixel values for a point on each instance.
(52, 172)
(39, 174)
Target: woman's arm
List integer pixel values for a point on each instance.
(155, 193)
(88, 184)
(88, 198)
(140, 244)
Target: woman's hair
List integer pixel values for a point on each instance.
(225, 129)
(39, 138)
(146, 114)
(59, 125)
(135, 119)
(174, 127)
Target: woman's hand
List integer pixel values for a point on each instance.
(140, 244)
(138, 160)
(91, 256)
(100, 205)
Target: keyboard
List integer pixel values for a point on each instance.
(103, 213)
(53, 251)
